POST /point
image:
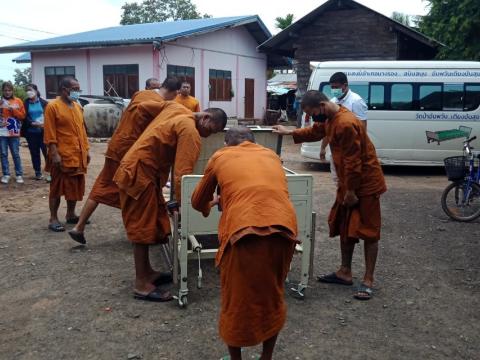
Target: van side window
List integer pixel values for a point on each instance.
(402, 97)
(453, 97)
(360, 89)
(377, 97)
(472, 97)
(430, 97)
(326, 89)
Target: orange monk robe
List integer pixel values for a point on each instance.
(189, 102)
(358, 169)
(64, 126)
(142, 109)
(257, 234)
(171, 140)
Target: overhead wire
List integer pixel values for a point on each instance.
(14, 37)
(27, 28)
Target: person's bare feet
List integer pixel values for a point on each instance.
(143, 287)
(367, 282)
(344, 274)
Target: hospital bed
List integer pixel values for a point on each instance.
(192, 239)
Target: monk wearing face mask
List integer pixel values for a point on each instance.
(356, 212)
(343, 95)
(66, 138)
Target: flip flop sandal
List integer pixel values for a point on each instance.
(164, 278)
(74, 220)
(332, 278)
(77, 236)
(155, 295)
(363, 292)
(56, 227)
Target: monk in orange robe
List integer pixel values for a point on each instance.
(356, 212)
(68, 156)
(186, 99)
(172, 139)
(257, 234)
(133, 122)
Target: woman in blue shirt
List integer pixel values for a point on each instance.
(33, 127)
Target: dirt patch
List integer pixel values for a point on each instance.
(64, 302)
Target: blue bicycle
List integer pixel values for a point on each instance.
(461, 198)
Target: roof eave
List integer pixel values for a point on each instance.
(418, 36)
(86, 45)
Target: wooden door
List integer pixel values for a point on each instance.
(249, 98)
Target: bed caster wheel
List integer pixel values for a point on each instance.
(182, 301)
(298, 293)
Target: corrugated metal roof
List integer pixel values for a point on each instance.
(24, 58)
(144, 33)
(279, 78)
(281, 84)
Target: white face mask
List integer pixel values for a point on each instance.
(31, 94)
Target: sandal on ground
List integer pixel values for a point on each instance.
(363, 292)
(332, 278)
(74, 220)
(163, 278)
(56, 227)
(156, 295)
(77, 236)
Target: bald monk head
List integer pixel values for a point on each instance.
(318, 106)
(210, 121)
(169, 88)
(152, 84)
(236, 135)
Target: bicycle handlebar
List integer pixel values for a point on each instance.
(471, 139)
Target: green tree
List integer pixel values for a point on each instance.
(455, 23)
(22, 77)
(284, 22)
(149, 11)
(401, 18)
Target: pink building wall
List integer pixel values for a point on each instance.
(230, 49)
(77, 58)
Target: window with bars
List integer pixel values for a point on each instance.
(120, 80)
(53, 75)
(220, 83)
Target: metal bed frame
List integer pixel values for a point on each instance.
(186, 245)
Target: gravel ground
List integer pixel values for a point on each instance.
(60, 301)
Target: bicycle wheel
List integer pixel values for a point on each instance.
(461, 202)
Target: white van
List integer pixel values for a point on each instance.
(405, 99)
